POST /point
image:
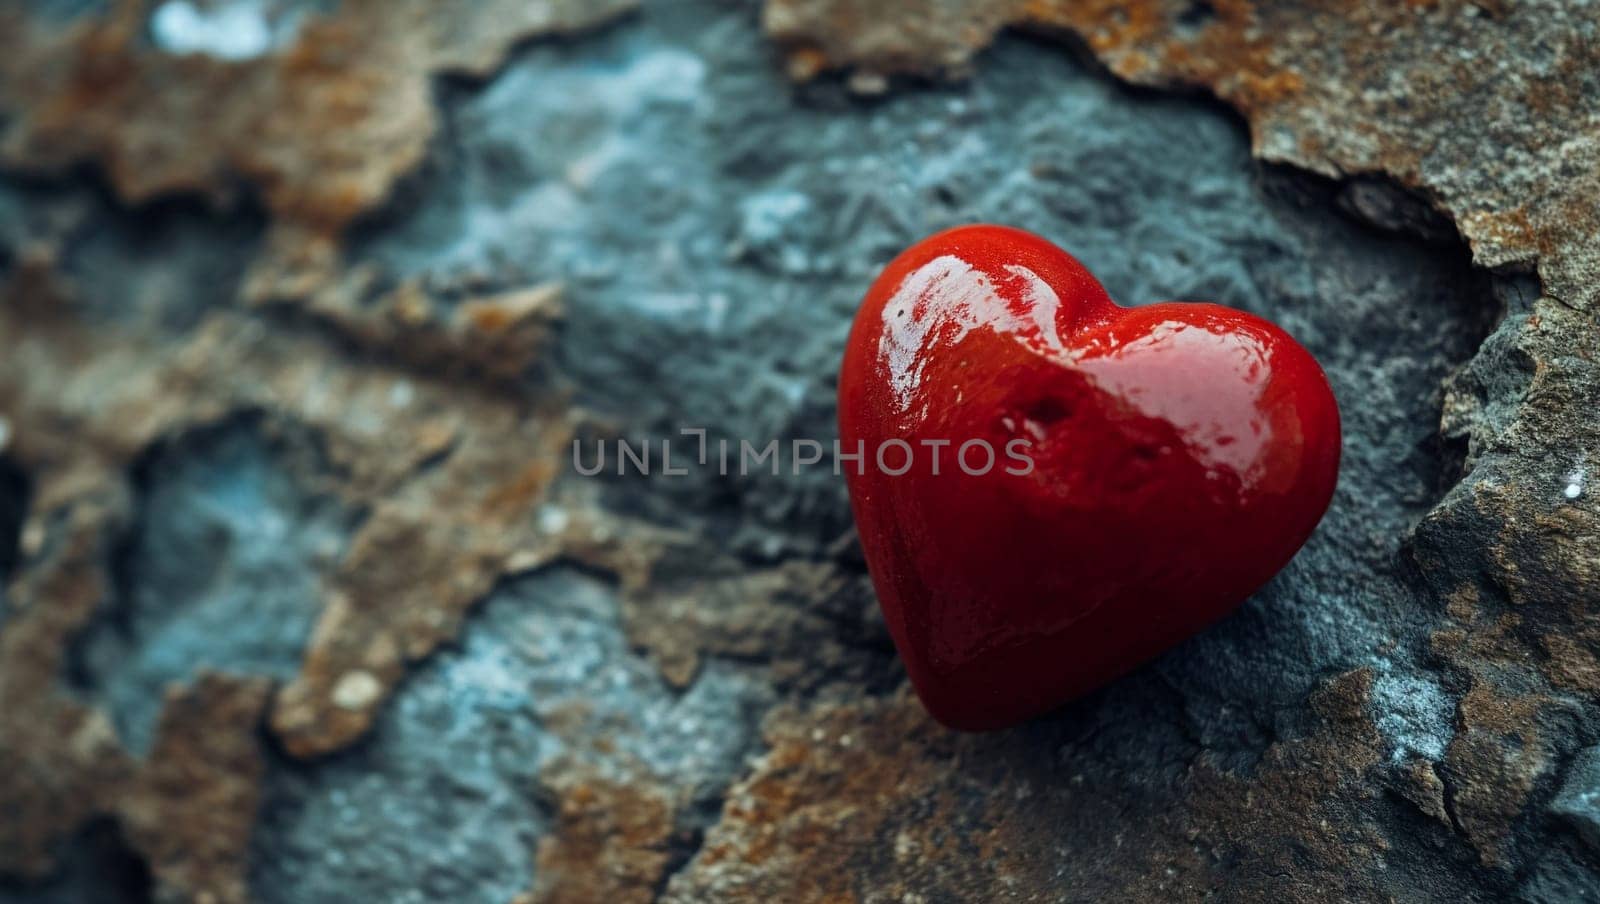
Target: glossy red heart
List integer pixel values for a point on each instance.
(1178, 455)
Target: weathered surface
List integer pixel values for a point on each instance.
(303, 601)
(321, 127)
(541, 708)
(851, 803)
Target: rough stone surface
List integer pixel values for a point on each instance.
(302, 306)
(222, 571)
(542, 716)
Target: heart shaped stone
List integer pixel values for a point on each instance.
(1052, 489)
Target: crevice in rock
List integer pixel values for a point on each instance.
(1448, 796)
(687, 840)
(1437, 864)
(1380, 201)
(1484, 394)
(1197, 15)
(16, 493)
(96, 865)
(159, 264)
(166, 262)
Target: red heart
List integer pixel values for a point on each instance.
(1180, 455)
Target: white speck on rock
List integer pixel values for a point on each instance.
(357, 690)
(32, 541)
(232, 30)
(553, 519)
(1575, 481)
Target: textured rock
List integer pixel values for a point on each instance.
(191, 810)
(222, 570)
(175, 118)
(540, 717)
(613, 843)
(301, 318)
(859, 802)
